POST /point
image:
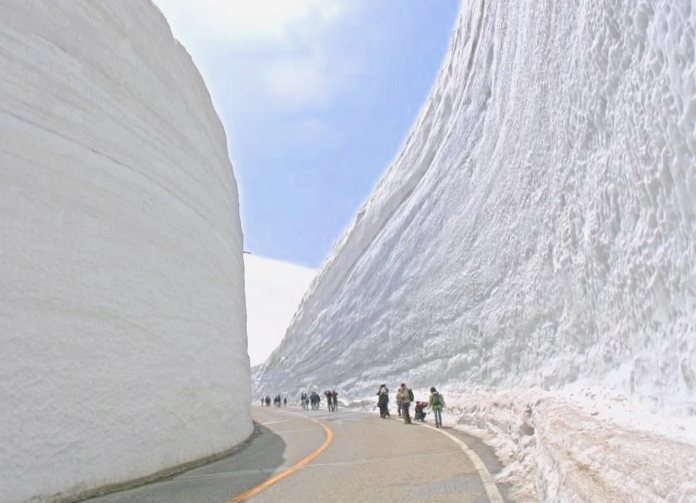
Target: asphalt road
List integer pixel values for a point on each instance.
(367, 459)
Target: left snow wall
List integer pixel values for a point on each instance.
(122, 311)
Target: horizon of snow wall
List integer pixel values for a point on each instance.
(537, 227)
(122, 321)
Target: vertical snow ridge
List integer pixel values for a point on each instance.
(123, 319)
(390, 194)
(538, 226)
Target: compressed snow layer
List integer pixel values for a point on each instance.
(122, 320)
(274, 289)
(538, 227)
(582, 445)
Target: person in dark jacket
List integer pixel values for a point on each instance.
(383, 401)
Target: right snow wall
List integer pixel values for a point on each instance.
(537, 227)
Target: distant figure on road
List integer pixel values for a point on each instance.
(268, 401)
(419, 411)
(285, 401)
(329, 400)
(406, 396)
(334, 396)
(383, 401)
(315, 400)
(436, 403)
(398, 405)
(304, 400)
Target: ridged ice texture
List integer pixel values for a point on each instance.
(538, 226)
(122, 317)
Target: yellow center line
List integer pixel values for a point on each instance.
(289, 471)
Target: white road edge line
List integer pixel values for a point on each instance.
(486, 477)
(278, 432)
(488, 483)
(275, 422)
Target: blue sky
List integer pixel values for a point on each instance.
(316, 97)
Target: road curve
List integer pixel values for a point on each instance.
(366, 459)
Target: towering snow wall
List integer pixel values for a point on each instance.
(538, 227)
(122, 317)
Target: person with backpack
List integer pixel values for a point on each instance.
(436, 403)
(406, 396)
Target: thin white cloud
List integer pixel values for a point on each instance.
(251, 20)
(286, 46)
(301, 80)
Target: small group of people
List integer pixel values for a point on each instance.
(278, 401)
(331, 400)
(312, 400)
(404, 398)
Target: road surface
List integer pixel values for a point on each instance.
(343, 457)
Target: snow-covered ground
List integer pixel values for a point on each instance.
(535, 236)
(274, 289)
(122, 316)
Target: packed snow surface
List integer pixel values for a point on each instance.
(122, 316)
(274, 289)
(538, 227)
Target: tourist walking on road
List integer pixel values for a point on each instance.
(406, 396)
(436, 403)
(334, 395)
(383, 401)
(329, 400)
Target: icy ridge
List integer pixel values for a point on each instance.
(122, 321)
(537, 228)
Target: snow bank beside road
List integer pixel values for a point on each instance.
(274, 289)
(581, 446)
(122, 318)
